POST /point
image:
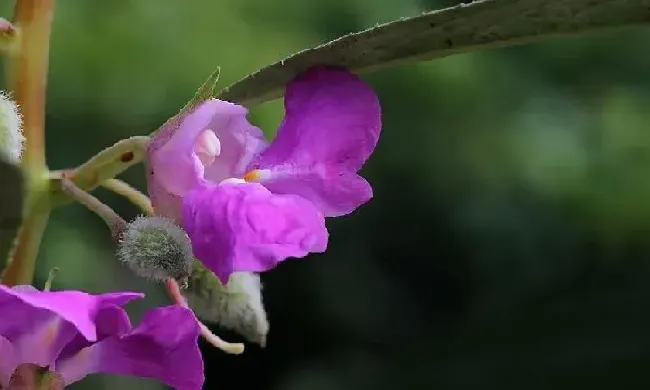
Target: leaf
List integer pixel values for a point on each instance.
(11, 205)
(436, 34)
(237, 306)
(205, 91)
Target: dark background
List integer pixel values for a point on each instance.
(506, 247)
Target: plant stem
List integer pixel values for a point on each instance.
(133, 195)
(116, 223)
(50, 279)
(28, 75)
(105, 165)
(28, 68)
(174, 292)
(21, 269)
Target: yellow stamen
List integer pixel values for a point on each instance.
(252, 176)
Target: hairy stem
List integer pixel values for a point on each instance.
(50, 279)
(133, 195)
(105, 165)
(174, 292)
(110, 217)
(21, 269)
(28, 67)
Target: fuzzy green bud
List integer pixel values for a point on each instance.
(237, 305)
(156, 248)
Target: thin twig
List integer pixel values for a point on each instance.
(132, 194)
(116, 223)
(232, 348)
(50, 279)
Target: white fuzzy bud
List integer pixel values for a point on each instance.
(11, 130)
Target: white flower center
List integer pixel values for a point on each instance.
(207, 147)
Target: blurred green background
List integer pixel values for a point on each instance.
(507, 245)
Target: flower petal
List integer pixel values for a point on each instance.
(331, 126)
(164, 346)
(172, 158)
(110, 321)
(8, 361)
(240, 142)
(40, 324)
(332, 190)
(244, 227)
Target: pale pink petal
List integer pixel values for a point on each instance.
(174, 167)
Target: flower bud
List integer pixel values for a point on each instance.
(11, 133)
(237, 305)
(156, 248)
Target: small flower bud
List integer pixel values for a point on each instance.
(11, 133)
(237, 306)
(156, 248)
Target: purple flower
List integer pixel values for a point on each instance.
(197, 162)
(76, 334)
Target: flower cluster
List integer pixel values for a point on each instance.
(248, 205)
(244, 204)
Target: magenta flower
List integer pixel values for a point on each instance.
(76, 334)
(248, 205)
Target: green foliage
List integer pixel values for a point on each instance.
(465, 27)
(510, 211)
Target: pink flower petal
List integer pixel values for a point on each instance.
(164, 346)
(244, 227)
(8, 361)
(331, 126)
(40, 324)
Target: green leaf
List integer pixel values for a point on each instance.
(205, 92)
(11, 205)
(463, 28)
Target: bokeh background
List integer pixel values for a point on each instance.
(508, 242)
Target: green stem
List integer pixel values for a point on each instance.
(110, 217)
(50, 279)
(28, 68)
(133, 195)
(21, 269)
(105, 165)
